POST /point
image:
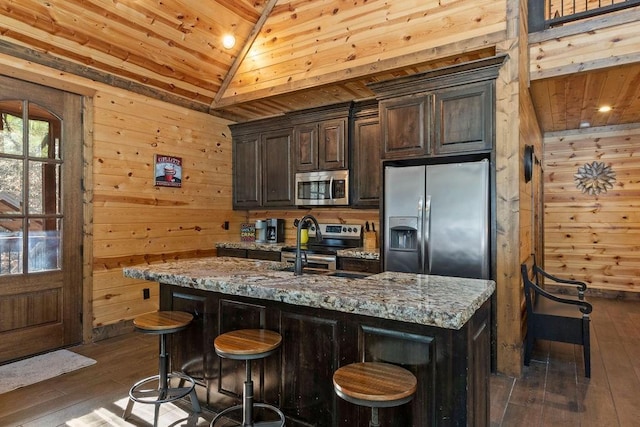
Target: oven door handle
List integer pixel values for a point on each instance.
(322, 258)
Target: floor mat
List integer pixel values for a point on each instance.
(39, 368)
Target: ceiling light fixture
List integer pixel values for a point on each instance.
(228, 41)
(604, 109)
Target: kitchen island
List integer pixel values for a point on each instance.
(437, 327)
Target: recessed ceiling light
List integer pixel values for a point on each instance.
(228, 41)
(604, 109)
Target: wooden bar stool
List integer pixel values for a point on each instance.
(374, 384)
(248, 345)
(157, 389)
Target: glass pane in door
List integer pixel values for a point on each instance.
(44, 188)
(44, 244)
(11, 127)
(11, 246)
(44, 133)
(30, 188)
(11, 178)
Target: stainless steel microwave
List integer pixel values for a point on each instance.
(327, 188)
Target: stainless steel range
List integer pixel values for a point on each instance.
(323, 254)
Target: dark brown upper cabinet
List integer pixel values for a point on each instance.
(262, 164)
(247, 172)
(365, 156)
(406, 126)
(464, 118)
(320, 138)
(440, 112)
(277, 168)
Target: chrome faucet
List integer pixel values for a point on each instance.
(297, 270)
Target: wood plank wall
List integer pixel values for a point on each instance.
(594, 238)
(127, 219)
(136, 222)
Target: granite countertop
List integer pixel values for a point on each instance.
(360, 253)
(275, 247)
(445, 302)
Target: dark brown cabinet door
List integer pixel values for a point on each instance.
(320, 145)
(247, 172)
(365, 165)
(306, 147)
(406, 126)
(464, 118)
(198, 358)
(414, 352)
(332, 145)
(359, 265)
(277, 178)
(310, 353)
(232, 252)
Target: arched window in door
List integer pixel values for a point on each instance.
(30, 188)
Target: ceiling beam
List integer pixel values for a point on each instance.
(243, 52)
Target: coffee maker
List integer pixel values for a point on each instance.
(261, 231)
(275, 230)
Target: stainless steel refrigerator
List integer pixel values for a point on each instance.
(437, 219)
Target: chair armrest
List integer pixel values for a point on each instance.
(582, 287)
(584, 306)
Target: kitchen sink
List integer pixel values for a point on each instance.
(348, 274)
(332, 273)
(310, 271)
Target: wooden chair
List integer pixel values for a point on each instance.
(553, 317)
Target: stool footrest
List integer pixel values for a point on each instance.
(274, 423)
(157, 395)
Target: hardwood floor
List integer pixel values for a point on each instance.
(97, 395)
(552, 391)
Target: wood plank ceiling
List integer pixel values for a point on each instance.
(289, 54)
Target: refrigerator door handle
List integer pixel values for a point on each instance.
(427, 232)
(419, 232)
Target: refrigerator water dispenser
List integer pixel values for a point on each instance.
(403, 233)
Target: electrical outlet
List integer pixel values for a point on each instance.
(226, 225)
(145, 293)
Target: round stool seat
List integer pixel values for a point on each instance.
(163, 322)
(374, 384)
(247, 344)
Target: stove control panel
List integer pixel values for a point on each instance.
(340, 231)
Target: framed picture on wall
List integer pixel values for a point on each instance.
(168, 171)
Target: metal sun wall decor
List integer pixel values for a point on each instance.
(594, 178)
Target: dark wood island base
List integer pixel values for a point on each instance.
(452, 365)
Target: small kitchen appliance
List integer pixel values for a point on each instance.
(275, 230)
(261, 231)
(324, 188)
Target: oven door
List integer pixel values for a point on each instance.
(320, 261)
(322, 188)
